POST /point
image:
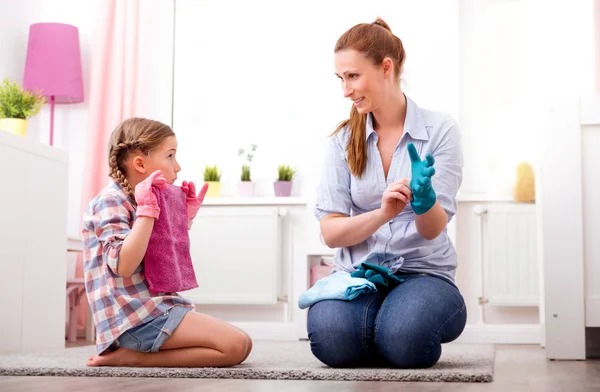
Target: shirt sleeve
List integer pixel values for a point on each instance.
(333, 191)
(448, 167)
(112, 225)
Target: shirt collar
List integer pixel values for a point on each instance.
(117, 185)
(413, 123)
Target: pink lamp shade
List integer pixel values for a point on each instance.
(53, 62)
(53, 65)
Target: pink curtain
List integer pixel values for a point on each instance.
(597, 44)
(116, 76)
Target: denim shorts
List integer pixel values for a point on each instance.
(150, 336)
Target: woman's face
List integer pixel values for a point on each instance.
(362, 82)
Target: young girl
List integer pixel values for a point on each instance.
(137, 327)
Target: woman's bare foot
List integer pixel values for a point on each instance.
(119, 357)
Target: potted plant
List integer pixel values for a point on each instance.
(246, 186)
(17, 106)
(212, 176)
(283, 185)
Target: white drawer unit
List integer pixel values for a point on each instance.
(236, 251)
(33, 244)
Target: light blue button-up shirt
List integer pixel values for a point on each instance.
(396, 245)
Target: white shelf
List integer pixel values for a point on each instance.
(255, 201)
(484, 197)
(590, 110)
(30, 146)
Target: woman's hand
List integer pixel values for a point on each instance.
(395, 198)
(147, 205)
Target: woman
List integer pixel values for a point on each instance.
(372, 212)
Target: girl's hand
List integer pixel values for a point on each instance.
(147, 205)
(193, 201)
(395, 198)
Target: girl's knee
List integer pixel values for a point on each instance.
(238, 348)
(248, 347)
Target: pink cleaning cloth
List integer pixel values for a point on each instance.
(168, 262)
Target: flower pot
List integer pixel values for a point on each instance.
(283, 188)
(246, 188)
(17, 126)
(214, 189)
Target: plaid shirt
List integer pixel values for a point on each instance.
(117, 303)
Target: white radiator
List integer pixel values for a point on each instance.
(509, 253)
(236, 251)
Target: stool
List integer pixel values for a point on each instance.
(75, 290)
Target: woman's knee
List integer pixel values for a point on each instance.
(414, 341)
(414, 354)
(333, 341)
(410, 345)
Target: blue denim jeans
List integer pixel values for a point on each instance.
(150, 336)
(402, 328)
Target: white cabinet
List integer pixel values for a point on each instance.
(249, 257)
(33, 243)
(236, 251)
(590, 139)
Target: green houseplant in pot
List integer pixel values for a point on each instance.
(212, 176)
(246, 185)
(283, 185)
(17, 106)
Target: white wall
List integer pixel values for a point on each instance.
(70, 121)
(463, 57)
(515, 56)
(270, 80)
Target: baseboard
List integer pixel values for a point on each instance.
(270, 331)
(502, 334)
(484, 333)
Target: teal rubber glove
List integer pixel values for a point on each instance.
(420, 183)
(376, 274)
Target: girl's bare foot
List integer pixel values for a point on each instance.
(119, 357)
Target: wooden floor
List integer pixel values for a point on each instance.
(518, 368)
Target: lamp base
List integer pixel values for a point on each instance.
(52, 101)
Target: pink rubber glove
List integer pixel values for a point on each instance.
(193, 201)
(147, 205)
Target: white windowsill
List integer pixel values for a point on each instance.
(255, 201)
(484, 197)
(590, 110)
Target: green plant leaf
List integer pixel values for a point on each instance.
(15, 102)
(285, 173)
(212, 173)
(245, 173)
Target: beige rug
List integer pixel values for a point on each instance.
(268, 360)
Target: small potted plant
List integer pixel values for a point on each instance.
(212, 176)
(283, 185)
(17, 106)
(246, 186)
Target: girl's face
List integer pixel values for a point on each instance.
(362, 82)
(163, 158)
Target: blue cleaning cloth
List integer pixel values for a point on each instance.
(339, 285)
(380, 276)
